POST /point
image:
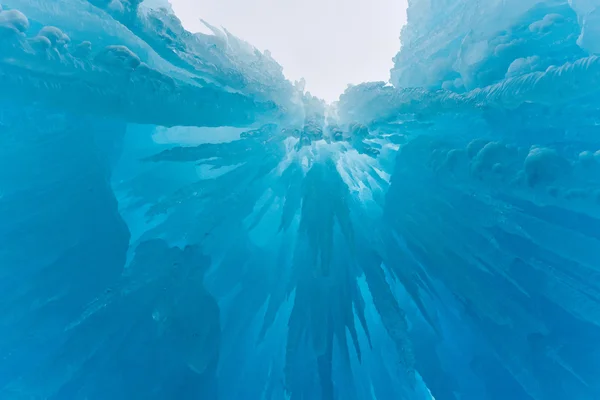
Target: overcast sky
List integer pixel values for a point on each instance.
(328, 42)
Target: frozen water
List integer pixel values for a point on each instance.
(179, 221)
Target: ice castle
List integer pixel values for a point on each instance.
(179, 221)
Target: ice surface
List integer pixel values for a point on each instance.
(178, 221)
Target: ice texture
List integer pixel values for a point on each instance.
(179, 221)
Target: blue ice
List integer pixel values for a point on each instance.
(179, 221)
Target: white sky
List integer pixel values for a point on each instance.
(330, 43)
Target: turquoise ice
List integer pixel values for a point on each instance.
(179, 221)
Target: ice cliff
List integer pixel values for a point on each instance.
(178, 221)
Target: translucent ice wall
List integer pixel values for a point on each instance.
(178, 221)
(495, 192)
(134, 63)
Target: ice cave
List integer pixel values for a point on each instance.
(180, 221)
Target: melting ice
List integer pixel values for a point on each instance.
(178, 221)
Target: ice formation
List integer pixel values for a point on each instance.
(178, 221)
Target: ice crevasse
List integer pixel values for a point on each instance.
(179, 221)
